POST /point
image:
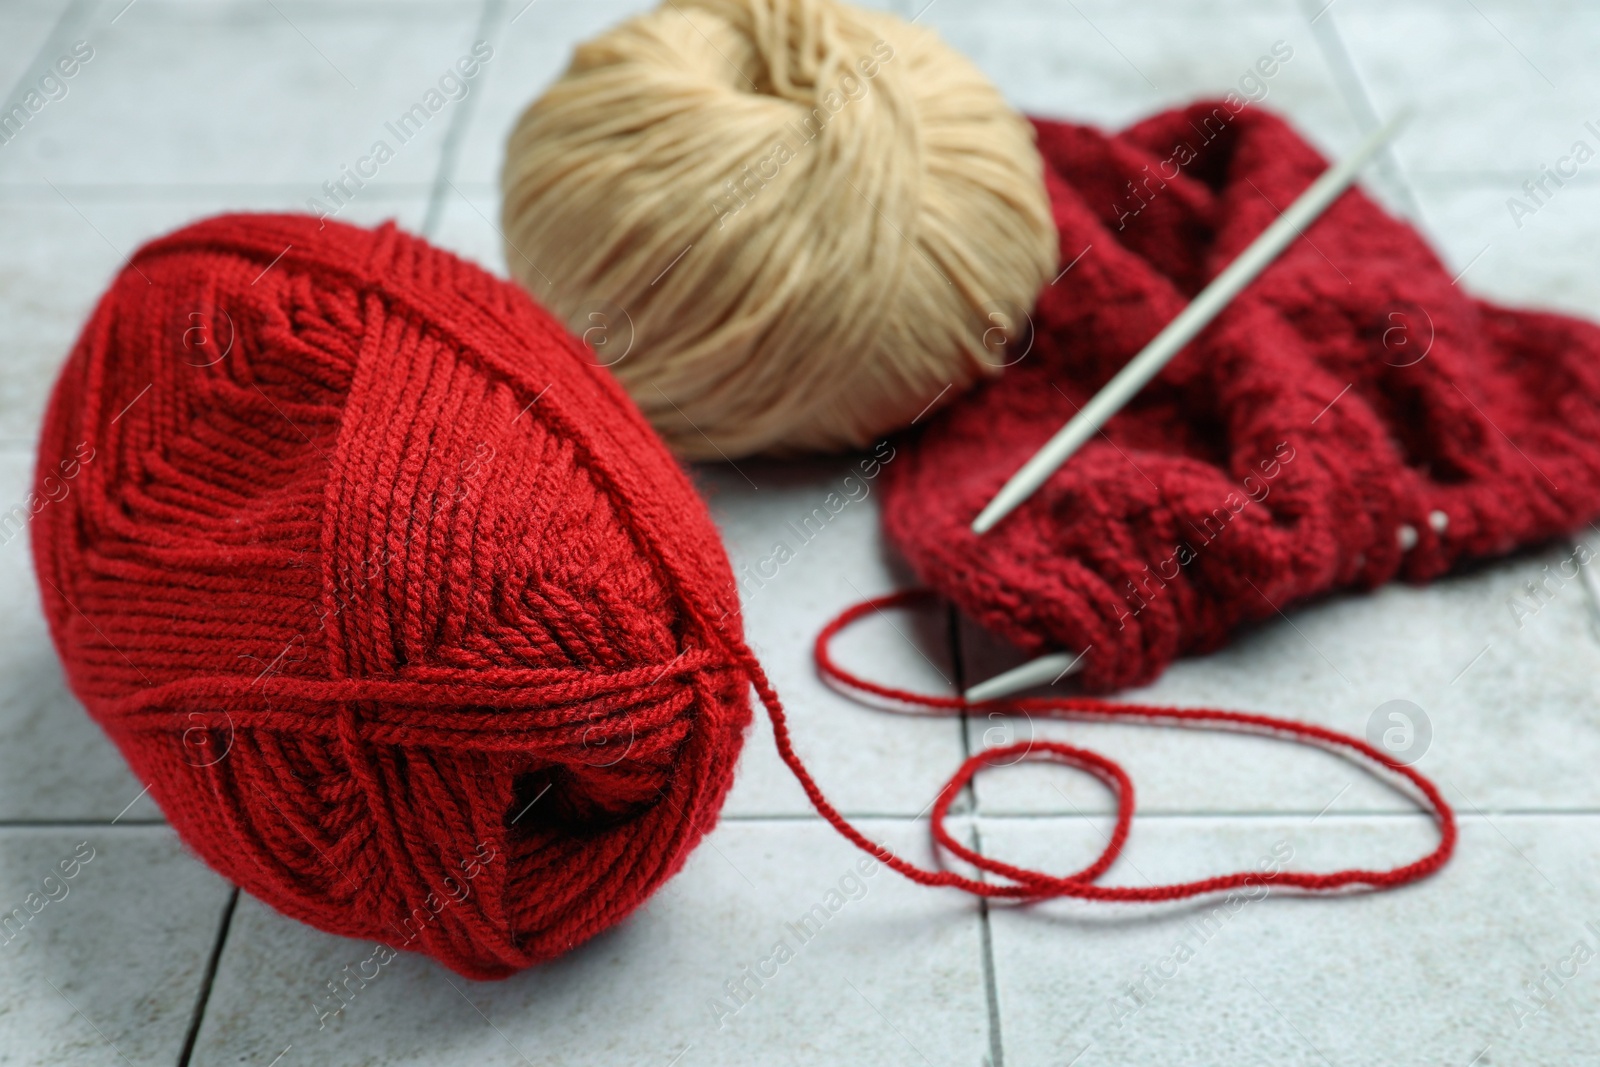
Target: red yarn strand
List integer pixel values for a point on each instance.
(1028, 884)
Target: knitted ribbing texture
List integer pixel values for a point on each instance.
(1353, 416)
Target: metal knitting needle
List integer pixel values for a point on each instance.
(1046, 670)
(1183, 329)
(1051, 668)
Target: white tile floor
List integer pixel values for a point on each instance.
(189, 108)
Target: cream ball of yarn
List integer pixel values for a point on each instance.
(787, 225)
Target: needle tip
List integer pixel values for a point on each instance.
(1046, 670)
(987, 518)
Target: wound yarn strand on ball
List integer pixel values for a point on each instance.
(802, 221)
(392, 586)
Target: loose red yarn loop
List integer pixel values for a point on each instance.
(1025, 883)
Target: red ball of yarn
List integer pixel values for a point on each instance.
(1353, 416)
(410, 622)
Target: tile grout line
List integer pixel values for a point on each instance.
(1244, 816)
(20, 192)
(76, 824)
(1356, 100)
(958, 667)
(991, 988)
(76, 15)
(121, 193)
(991, 992)
(208, 978)
(911, 817)
(460, 122)
(1155, 816)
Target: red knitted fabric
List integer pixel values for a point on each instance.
(392, 597)
(1353, 416)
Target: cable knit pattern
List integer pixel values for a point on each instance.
(1352, 417)
(394, 600)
